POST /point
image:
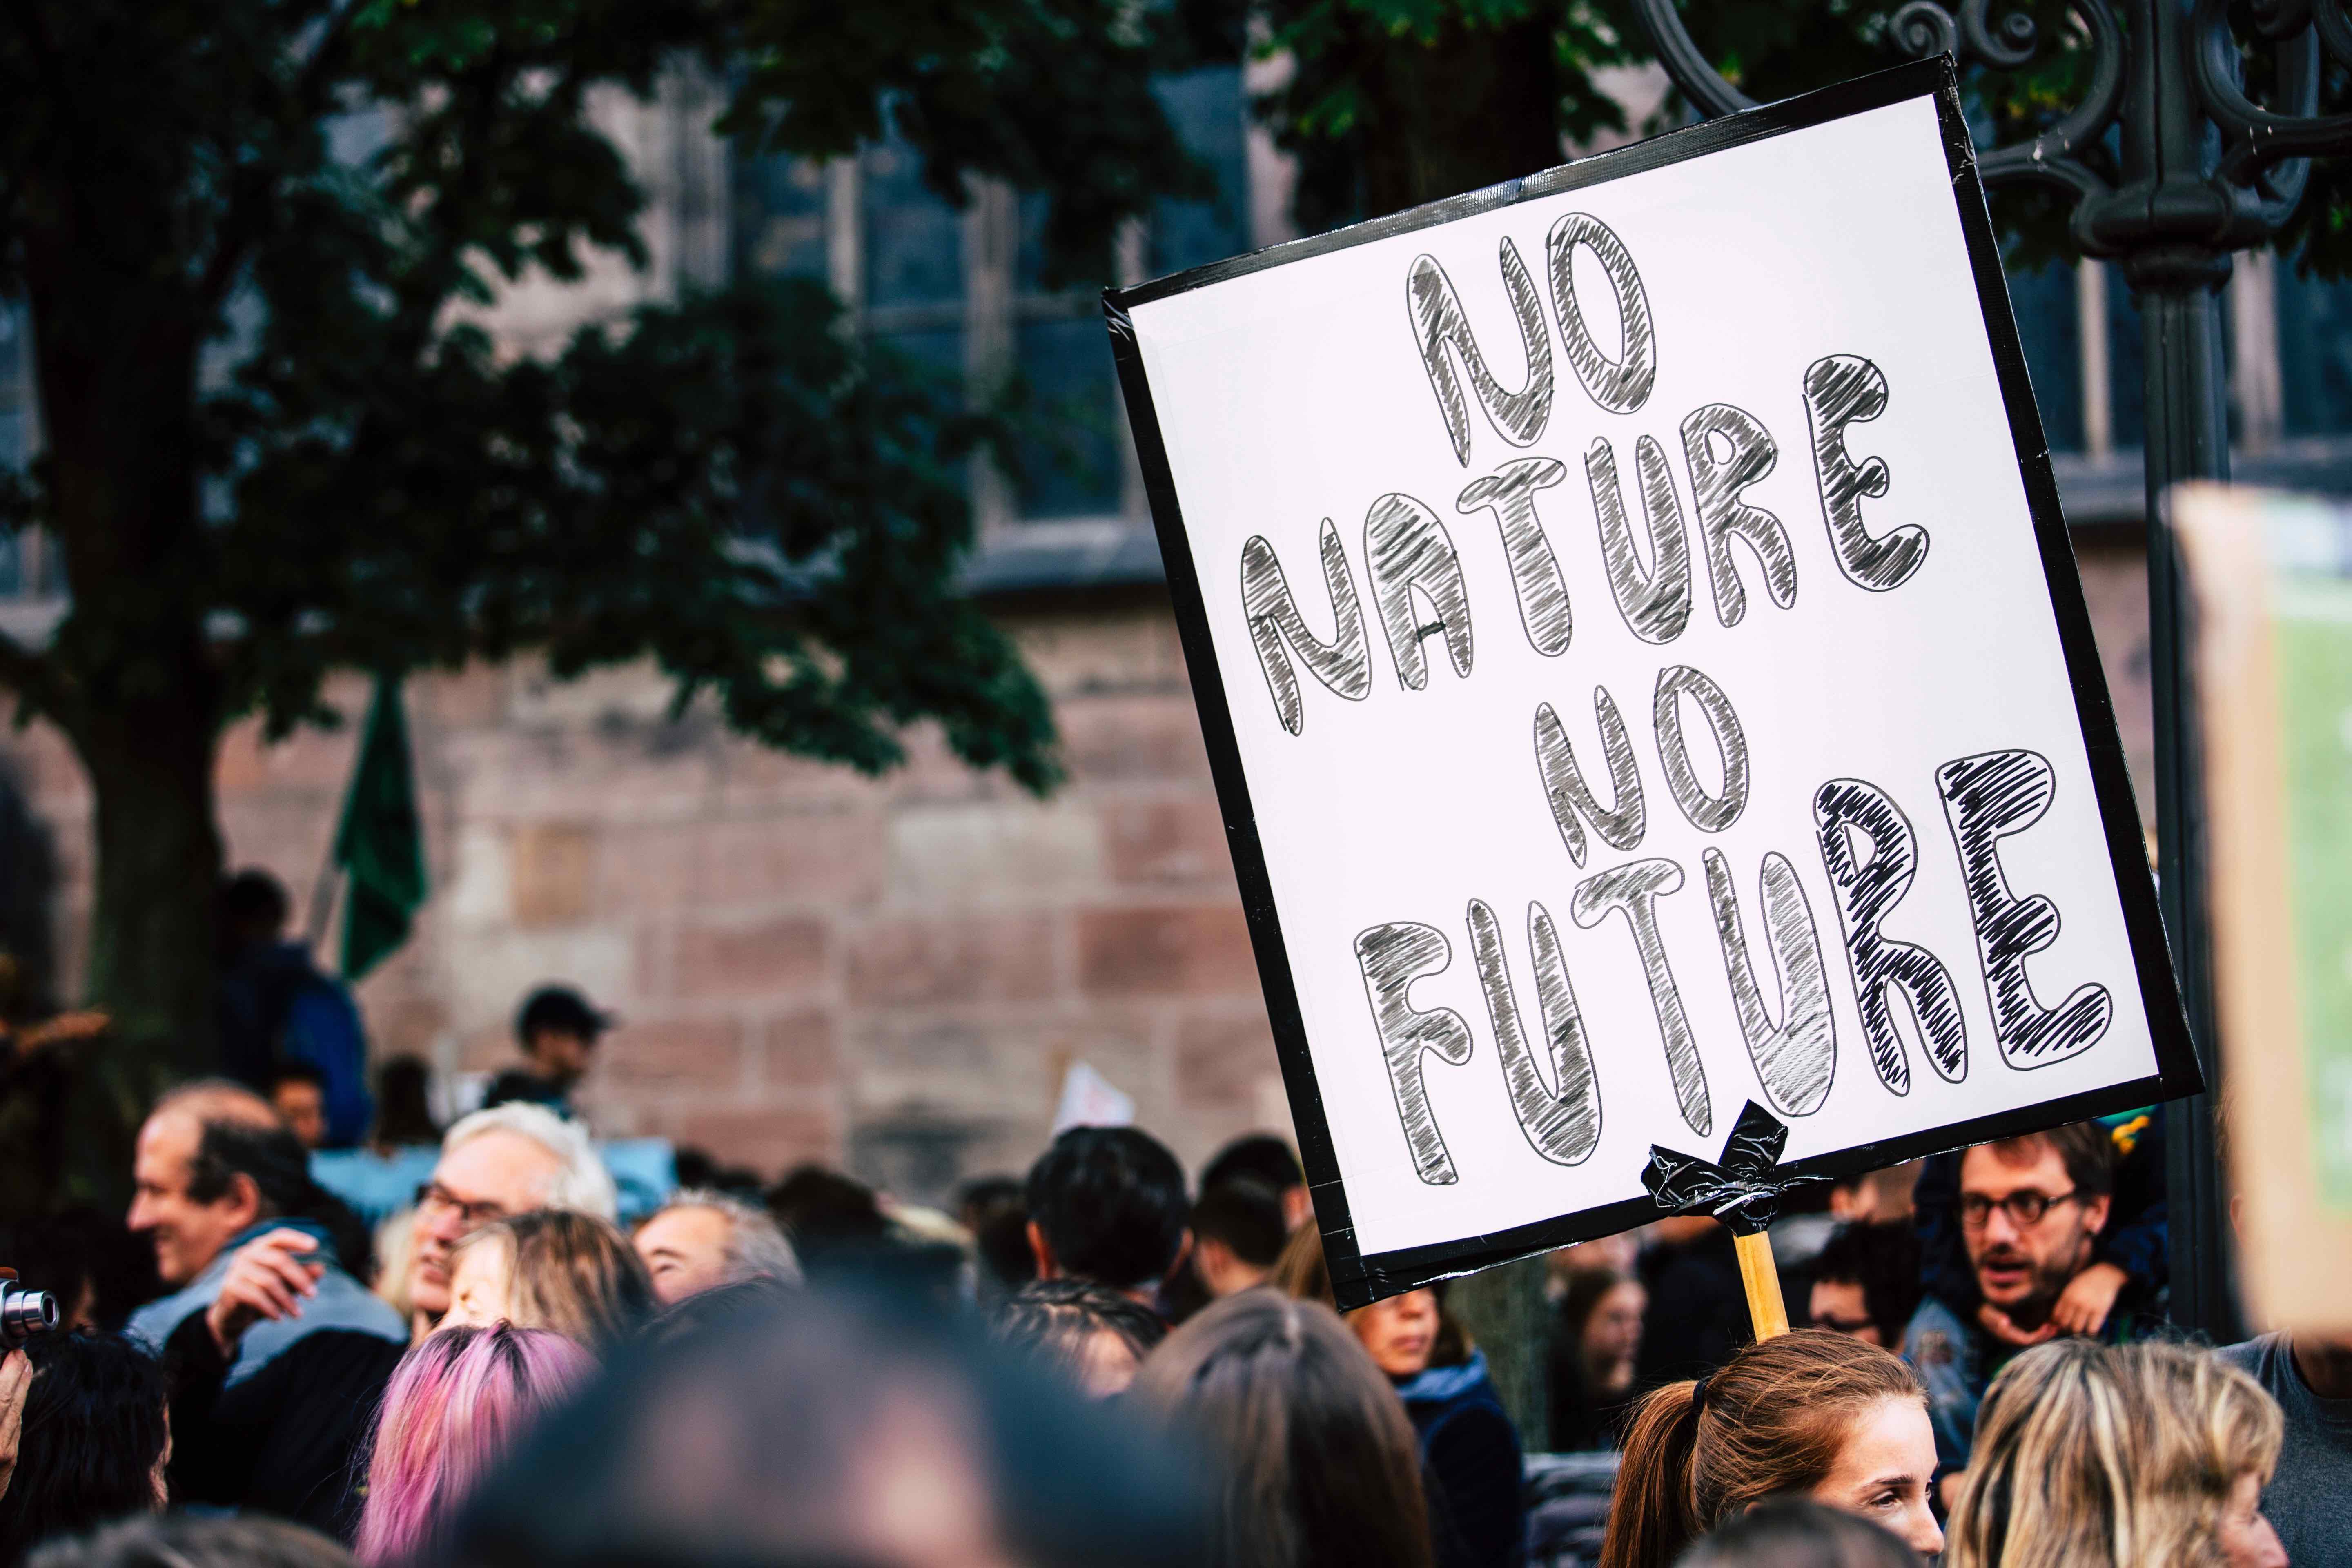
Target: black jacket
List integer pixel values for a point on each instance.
(292, 1438)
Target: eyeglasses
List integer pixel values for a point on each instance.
(2024, 1209)
(434, 1200)
(1855, 1326)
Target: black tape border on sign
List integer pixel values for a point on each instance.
(1358, 1280)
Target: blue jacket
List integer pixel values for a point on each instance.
(1470, 1455)
(272, 1007)
(342, 1302)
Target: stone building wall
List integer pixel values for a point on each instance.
(893, 975)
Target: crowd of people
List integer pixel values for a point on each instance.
(1103, 1359)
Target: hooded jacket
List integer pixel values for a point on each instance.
(1470, 1454)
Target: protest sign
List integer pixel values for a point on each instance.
(1645, 677)
(2272, 577)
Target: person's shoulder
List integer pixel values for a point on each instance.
(352, 1305)
(1933, 1314)
(520, 1084)
(2249, 1356)
(1935, 1335)
(151, 1323)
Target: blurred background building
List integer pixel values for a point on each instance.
(896, 975)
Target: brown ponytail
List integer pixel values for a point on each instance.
(1650, 1518)
(1772, 1420)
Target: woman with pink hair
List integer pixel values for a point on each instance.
(459, 1402)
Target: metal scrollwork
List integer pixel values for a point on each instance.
(1924, 28)
(1700, 82)
(2250, 161)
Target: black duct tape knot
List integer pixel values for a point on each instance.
(1740, 1189)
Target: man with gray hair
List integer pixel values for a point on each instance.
(702, 1239)
(495, 1164)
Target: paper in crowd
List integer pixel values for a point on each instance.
(2271, 579)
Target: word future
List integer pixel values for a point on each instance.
(1866, 842)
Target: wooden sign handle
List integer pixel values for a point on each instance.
(1761, 1276)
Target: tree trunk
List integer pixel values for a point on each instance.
(1464, 107)
(1478, 106)
(151, 936)
(129, 676)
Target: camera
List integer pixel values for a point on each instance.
(24, 1313)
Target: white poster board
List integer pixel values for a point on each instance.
(1645, 672)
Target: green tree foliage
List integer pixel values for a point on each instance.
(250, 234)
(1390, 103)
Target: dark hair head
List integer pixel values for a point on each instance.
(2086, 1149)
(402, 1115)
(94, 1432)
(825, 1212)
(1319, 1464)
(279, 1169)
(1111, 1201)
(1883, 1258)
(986, 1192)
(1773, 1420)
(765, 1440)
(1246, 1216)
(1798, 1532)
(252, 904)
(561, 1010)
(273, 1158)
(997, 1212)
(720, 1308)
(1259, 1157)
(180, 1541)
(297, 1072)
(1057, 1319)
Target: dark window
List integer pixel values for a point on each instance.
(2045, 302)
(1071, 463)
(914, 238)
(2315, 352)
(1071, 467)
(1208, 111)
(2127, 360)
(780, 205)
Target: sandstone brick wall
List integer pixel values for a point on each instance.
(889, 973)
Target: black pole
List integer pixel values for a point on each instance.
(2188, 433)
(2176, 273)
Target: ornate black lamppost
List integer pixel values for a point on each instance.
(2204, 172)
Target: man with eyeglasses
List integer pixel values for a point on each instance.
(495, 1164)
(316, 1400)
(2031, 1211)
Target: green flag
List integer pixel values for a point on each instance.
(380, 844)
